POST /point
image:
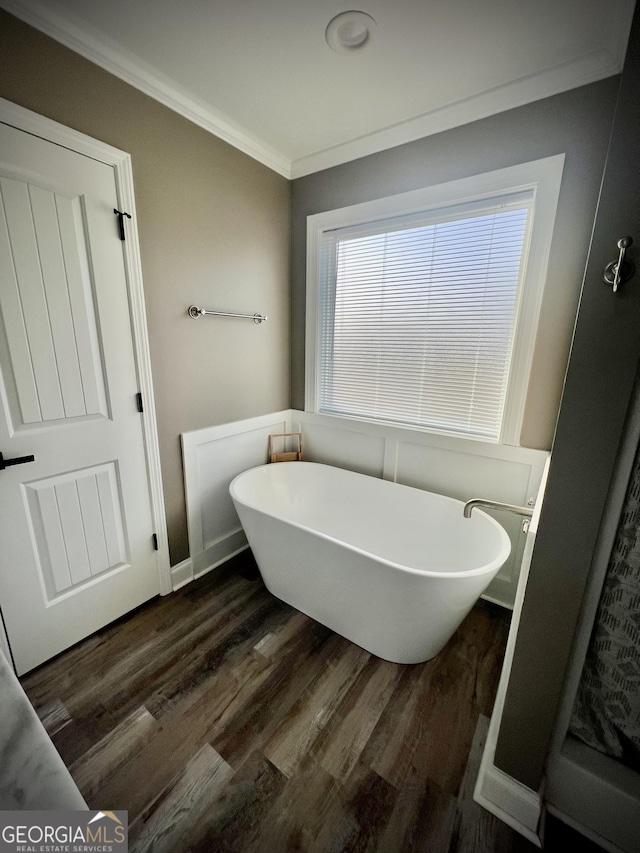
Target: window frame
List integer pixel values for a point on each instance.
(543, 177)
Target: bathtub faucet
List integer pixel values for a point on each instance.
(527, 511)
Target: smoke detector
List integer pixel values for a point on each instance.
(349, 32)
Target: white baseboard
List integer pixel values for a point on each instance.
(494, 599)
(181, 574)
(215, 553)
(510, 801)
(223, 559)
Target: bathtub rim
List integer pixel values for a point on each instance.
(494, 566)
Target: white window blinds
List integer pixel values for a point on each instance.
(417, 315)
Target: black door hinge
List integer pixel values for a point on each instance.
(155, 542)
(121, 215)
(139, 402)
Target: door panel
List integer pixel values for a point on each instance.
(54, 364)
(78, 528)
(77, 522)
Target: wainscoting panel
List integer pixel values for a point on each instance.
(459, 474)
(457, 467)
(212, 457)
(333, 445)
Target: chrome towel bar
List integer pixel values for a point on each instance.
(194, 311)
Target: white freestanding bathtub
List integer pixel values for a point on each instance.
(391, 568)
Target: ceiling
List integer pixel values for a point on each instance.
(260, 74)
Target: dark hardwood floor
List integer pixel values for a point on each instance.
(224, 720)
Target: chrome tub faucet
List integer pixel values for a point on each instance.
(526, 511)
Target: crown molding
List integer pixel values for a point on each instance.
(570, 75)
(107, 54)
(117, 61)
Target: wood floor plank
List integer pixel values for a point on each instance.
(357, 823)
(83, 732)
(390, 748)
(186, 798)
(422, 820)
(53, 716)
(178, 737)
(273, 642)
(295, 736)
(202, 716)
(448, 724)
(121, 639)
(481, 641)
(367, 701)
(289, 677)
(489, 666)
(99, 763)
(125, 680)
(308, 802)
(137, 641)
(82, 665)
(429, 721)
(224, 720)
(207, 651)
(233, 822)
(57, 678)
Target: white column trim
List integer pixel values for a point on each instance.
(512, 802)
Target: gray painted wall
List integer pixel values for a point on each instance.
(576, 123)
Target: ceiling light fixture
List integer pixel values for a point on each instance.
(350, 31)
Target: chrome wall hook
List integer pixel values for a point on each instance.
(617, 272)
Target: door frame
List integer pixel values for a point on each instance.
(51, 131)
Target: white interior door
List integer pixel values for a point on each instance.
(76, 528)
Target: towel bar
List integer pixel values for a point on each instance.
(194, 311)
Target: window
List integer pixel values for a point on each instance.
(422, 308)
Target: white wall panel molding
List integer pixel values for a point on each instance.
(459, 468)
(212, 457)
